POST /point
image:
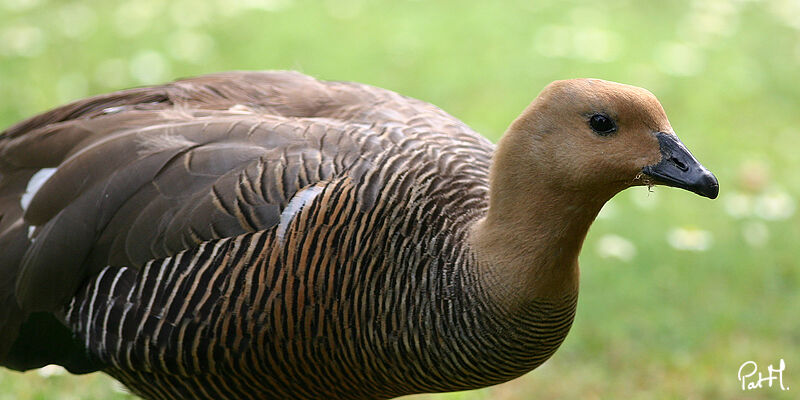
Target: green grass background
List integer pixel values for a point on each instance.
(677, 290)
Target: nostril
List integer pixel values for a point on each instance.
(681, 166)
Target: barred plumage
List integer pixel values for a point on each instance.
(267, 235)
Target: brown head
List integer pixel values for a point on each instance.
(590, 135)
(579, 143)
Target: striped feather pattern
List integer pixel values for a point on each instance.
(352, 304)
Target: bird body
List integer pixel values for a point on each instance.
(270, 235)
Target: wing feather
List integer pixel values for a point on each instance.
(146, 173)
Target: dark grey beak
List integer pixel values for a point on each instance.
(678, 168)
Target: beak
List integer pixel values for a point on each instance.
(678, 168)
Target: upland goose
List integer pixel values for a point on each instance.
(269, 235)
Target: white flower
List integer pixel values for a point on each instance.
(774, 205)
(738, 205)
(21, 40)
(613, 246)
(755, 233)
(689, 239)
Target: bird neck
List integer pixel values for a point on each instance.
(527, 245)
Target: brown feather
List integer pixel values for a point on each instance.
(172, 165)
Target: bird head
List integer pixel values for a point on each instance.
(596, 135)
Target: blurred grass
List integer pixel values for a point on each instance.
(677, 291)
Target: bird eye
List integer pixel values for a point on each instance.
(602, 124)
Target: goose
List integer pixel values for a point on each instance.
(259, 235)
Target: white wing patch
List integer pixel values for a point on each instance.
(37, 180)
(241, 109)
(296, 204)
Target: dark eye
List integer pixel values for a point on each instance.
(602, 124)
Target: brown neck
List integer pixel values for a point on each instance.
(527, 246)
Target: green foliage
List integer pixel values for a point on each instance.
(678, 291)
